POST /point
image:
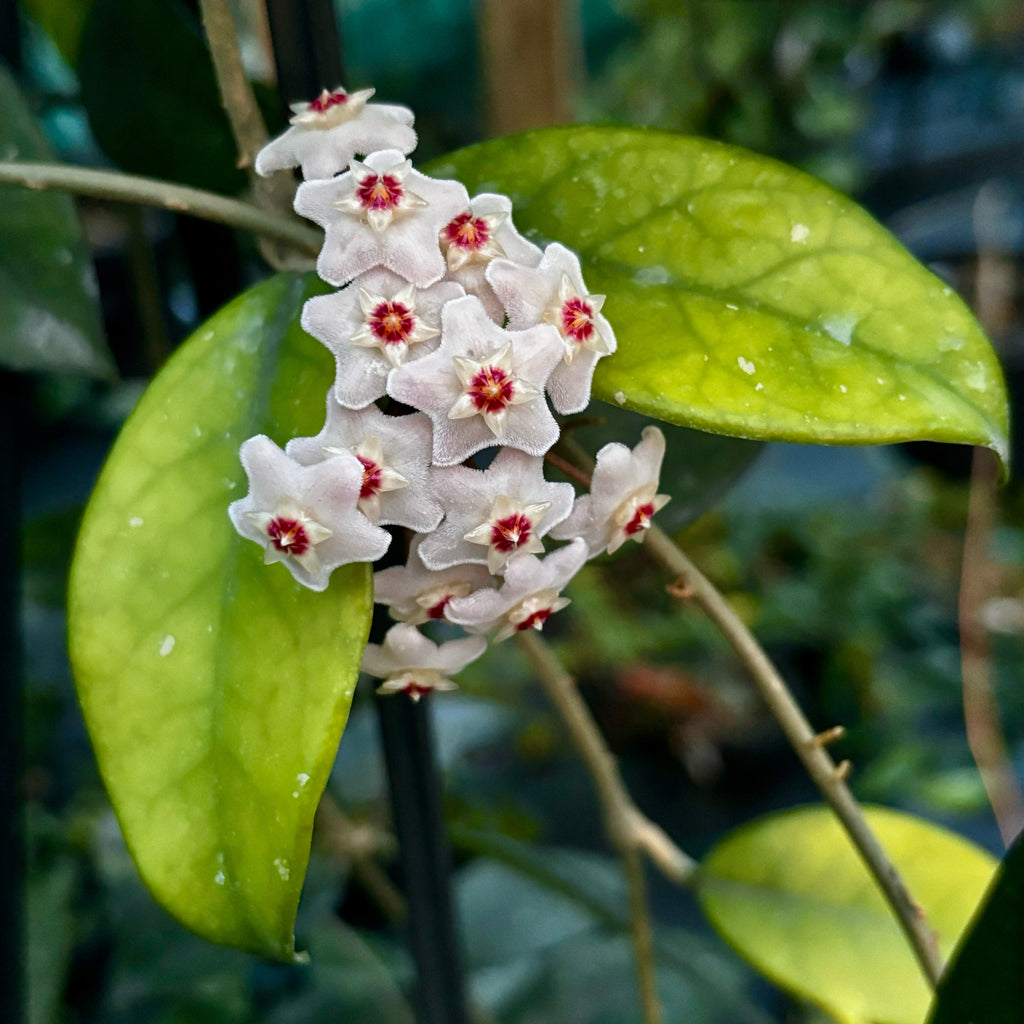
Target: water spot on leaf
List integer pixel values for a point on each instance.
(974, 376)
(840, 326)
(647, 276)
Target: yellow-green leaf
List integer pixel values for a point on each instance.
(215, 688)
(789, 893)
(747, 297)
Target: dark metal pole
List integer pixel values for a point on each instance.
(307, 48)
(12, 854)
(425, 858)
(308, 55)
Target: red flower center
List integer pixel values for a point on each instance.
(288, 535)
(492, 389)
(436, 611)
(641, 519)
(392, 322)
(467, 232)
(379, 192)
(323, 103)
(416, 690)
(577, 320)
(509, 532)
(371, 477)
(536, 619)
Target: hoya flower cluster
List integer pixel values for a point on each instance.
(444, 308)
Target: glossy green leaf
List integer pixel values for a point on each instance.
(48, 289)
(792, 896)
(983, 983)
(747, 297)
(149, 88)
(215, 688)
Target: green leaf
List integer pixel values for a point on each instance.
(792, 896)
(747, 297)
(151, 94)
(983, 983)
(62, 21)
(47, 286)
(214, 687)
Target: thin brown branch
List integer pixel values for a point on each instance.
(276, 193)
(568, 469)
(630, 832)
(827, 776)
(642, 935)
(981, 709)
(130, 188)
(358, 845)
(236, 93)
(627, 825)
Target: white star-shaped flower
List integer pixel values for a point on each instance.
(337, 126)
(623, 496)
(483, 385)
(491, 515)
(381, 213)
(409, 662)
(530, 594)
(553, 292)
(416, 594)
(394, 452)
(373, 325)
(479, 234)
(305, 516)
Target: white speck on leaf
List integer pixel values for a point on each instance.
(729, 305)
(135, 522)
(620, 397)
(282, 869)
(950, 343)
(842, 387)
(302, 778)
(975, 376)
(746, 365)
(799, 233)
(880, 380)
(758, 386)
(840, 327)
(902, 398)
(166, 646)
(220, 878)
